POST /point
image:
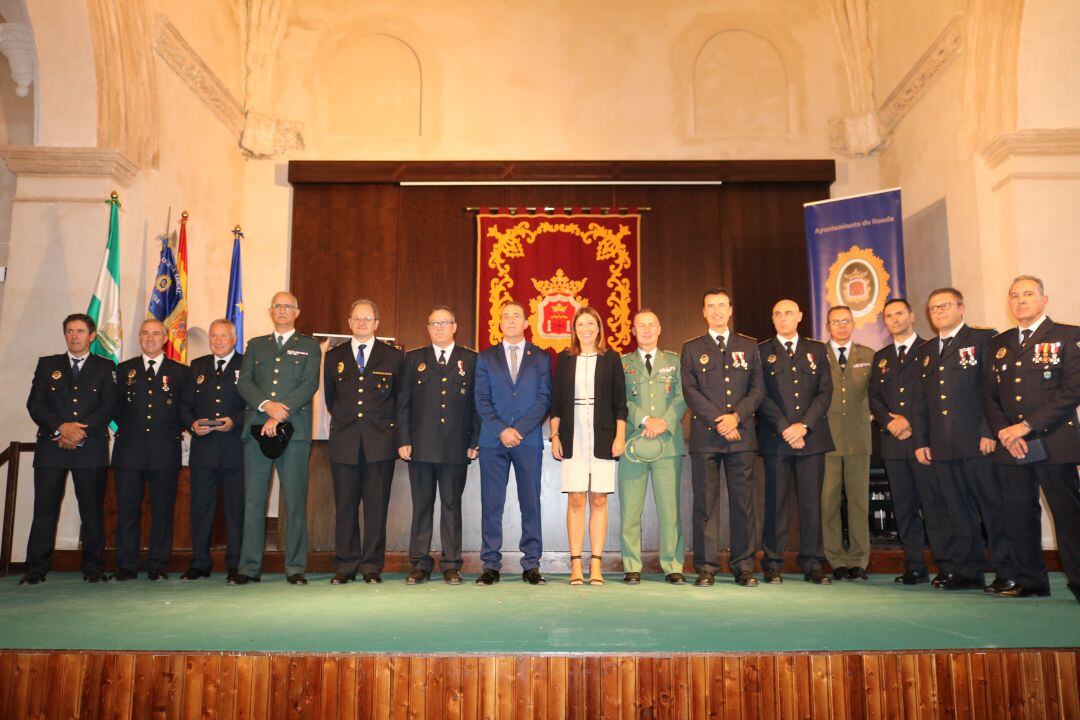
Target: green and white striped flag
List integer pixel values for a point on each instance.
(105, 305)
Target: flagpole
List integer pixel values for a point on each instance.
(234, 305)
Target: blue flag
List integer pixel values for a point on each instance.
(855, 248)
(167, 300)
(234, 311)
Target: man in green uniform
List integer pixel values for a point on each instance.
(278, 377)
(654, 442)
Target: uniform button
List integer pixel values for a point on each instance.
(901, 403)
(944, 397)
(75, 388)
(1019, 363)
(941, 382)
(217, 414)
(944, 412)
(796, 382)
(147, 429)
(843, 402)
(75, 400)
(941, 367)
(652, 407)
(442, 420)
(75, 413)
(359, 402)
(444, 379)
(217, 400)
(727, 379)
(901, 389)
(843, 389)
(277, 359)
(1018, 398)
(149, 418)
(359, 415)
(1017, 379)
(275, 382)
(728, 392)
(273, 394)
(149, 405)
(843, 414)
(277, 370)
(443, 392)
(729, 406)
(1021, 417)
(218, 387)
(444, 406)
(796, 394)
(360, 390)
(150, 391)
(797, 407)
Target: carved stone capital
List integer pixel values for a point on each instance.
(69, 162)
(265, 136)
(1037, 142)
(858, 135)
(17, 45)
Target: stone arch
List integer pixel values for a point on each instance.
(373, 87)
(740, 87)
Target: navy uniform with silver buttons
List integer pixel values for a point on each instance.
(217, 458)
(362, 404)
(718, 381)
(798, 390)
(58, 395)
(893, 386)
(436, 415)
(1038, 383)
(149, 423)
(949, 420)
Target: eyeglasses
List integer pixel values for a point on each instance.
(441, 323)
(283, 306)
(940, 306)
(364, 319)
(844, 322)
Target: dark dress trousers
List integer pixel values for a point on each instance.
(523, 404)
(149, 422)
(1039, 383)
(436, 415)
(916, 493)
(216, 459)
(57, 397)
(609, 402)
(363, 448)
(716, 382)
(949, 420)
(797, 390)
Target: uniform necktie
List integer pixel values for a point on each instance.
(220, 366)
(648, 363)
(75, 367)
(790, 349)
(360, 359)
(442, 357)
(280, 342)
(721, 344)
(902, 353)
(945, 344)
(513, 363)
(843, 359)
(150, 370)
(1026, 336)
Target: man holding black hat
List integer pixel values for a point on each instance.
(279, 376)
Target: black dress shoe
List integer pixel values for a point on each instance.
(452, 576)
(533, 577)
(31, 578)
(488, 577)
(296, 579)
(342, 578)
(241, 579)
(910, 577)
(817, 577)
(746, 579)
(959, 582)
(1000, 584)
(194, 574)
(857, 573)
(95, 576)
(417, 576)
(773, 577)
(840, 573)
(231, 573)
(157, 575)
(632, 578)
(1016, 591)
(123, 575)
(940, 579)
(705, 579)
(675, 578)
(372, 578)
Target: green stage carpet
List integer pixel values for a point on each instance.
(511, 617)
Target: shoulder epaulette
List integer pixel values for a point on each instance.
(982, 327)
(751, 339)
(672, 353)
(926, 342)
(766, 341)
(1003, 333)
(690, 340)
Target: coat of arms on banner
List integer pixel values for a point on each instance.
(552, 311)
(859, 280)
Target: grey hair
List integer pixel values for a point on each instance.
(1038, 281)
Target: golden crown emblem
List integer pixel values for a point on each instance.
(559, 284)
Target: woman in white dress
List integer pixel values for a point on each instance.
(588, 434)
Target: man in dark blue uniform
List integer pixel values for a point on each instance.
(722, 384)
(952, 435)
(793, 437)
(71, 400)
(438, 435)
(147, 451)
(894, 379)
(361, 379)
(214, 412)
(1031, 397)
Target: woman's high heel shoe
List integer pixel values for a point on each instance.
(579, 579)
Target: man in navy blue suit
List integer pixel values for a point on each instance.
(513, 393)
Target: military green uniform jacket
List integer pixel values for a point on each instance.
(290, 377)
(849, 413)
(658, 395)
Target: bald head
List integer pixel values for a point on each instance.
(786, 317)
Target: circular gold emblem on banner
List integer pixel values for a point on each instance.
(858, 280)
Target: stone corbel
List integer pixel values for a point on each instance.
(17, 45)
(69, 162)
(265, 136)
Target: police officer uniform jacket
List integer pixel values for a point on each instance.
(56, 399)
(1040, 385)
(659, 395)
(893, 389)
(797, 390)
(148, 415)
(215, 398)
(716, 384)
(436, 412)
(949, 418)
(290, 376)
(849, 416)
(363, 408)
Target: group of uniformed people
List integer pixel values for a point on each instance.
(972, 425)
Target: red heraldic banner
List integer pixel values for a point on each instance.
(554, 264)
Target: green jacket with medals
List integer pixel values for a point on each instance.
(658, 395)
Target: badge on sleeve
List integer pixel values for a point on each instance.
(56, 375)
(1000, 353)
